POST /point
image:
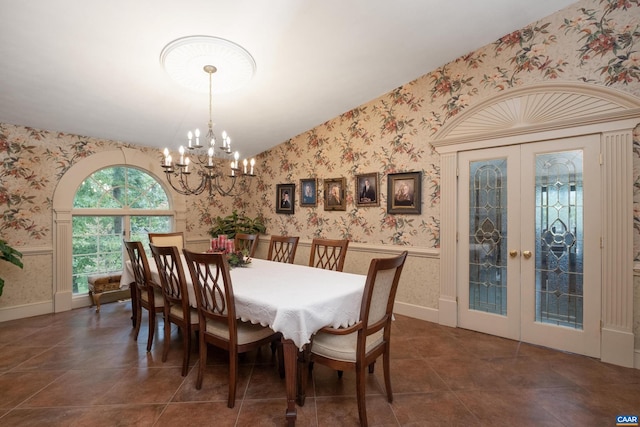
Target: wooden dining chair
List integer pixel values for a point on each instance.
(357, 347)
(219, 325)
(248, 242)
(149, 293)
(176, 300)
(328, 254)
(282, 249)
(168, 239)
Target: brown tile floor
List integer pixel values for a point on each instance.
(83, 369)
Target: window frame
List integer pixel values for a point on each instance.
(62, 205)
(125, 213)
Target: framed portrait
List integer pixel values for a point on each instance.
(404, 191)
(366, 193)
(335, 192)
(285, 198)
(308, 192)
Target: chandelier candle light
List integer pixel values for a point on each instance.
(201, 158)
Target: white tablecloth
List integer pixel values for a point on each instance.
(292, 299)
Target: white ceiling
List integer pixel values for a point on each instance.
(92, 67)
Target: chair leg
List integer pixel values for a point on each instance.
(360, 395)
(387, 374)
(167, 336)
(138, 321)
(135, 302)
(233, 376)
(152, 327)
(203, 361)
(371, 367)
(186, 349)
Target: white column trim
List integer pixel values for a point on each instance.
(448, 305)
(617, 344)
(62, 271)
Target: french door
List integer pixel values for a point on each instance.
(529, 264)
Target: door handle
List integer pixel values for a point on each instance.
(513, 253)
(526, 254)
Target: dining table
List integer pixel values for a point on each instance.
(295, 300)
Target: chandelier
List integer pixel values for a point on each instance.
(209, 167)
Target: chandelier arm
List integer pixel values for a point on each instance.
(200, 159)
(179, 190)
(182, 186)
(209, 181)
(209, 174)
(184, 181)
(229, 191)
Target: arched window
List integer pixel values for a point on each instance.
(110, 205)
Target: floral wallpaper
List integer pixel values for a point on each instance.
(592, 41)
(33, 161)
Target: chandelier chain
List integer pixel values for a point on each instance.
(207, 169)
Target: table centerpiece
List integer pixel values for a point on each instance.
(235, 258)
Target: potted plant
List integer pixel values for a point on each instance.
(7, 253)
(235, 223)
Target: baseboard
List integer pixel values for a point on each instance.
(448, 312)
(27, 310)
(617, 347)
(636, 359)
(416, 311)
(62, 301)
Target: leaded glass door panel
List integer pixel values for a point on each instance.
(561, 228)
(528, 247)
(489, 206)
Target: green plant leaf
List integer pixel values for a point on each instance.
(235, 223)
(7, 253)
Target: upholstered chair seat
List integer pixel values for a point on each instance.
(247, 331)
(158, 299)
(343, 347)
(176, 311)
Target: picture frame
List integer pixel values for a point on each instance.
(309, 192)
(285, 198)
(404, 193)
(335, 192)
(367, 190)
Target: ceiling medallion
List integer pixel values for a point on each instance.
(184, 59)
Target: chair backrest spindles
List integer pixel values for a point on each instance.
(139, 264)
(283, 249)
(212, 284)
(248, 242)
(328, 254)
(174, 286)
